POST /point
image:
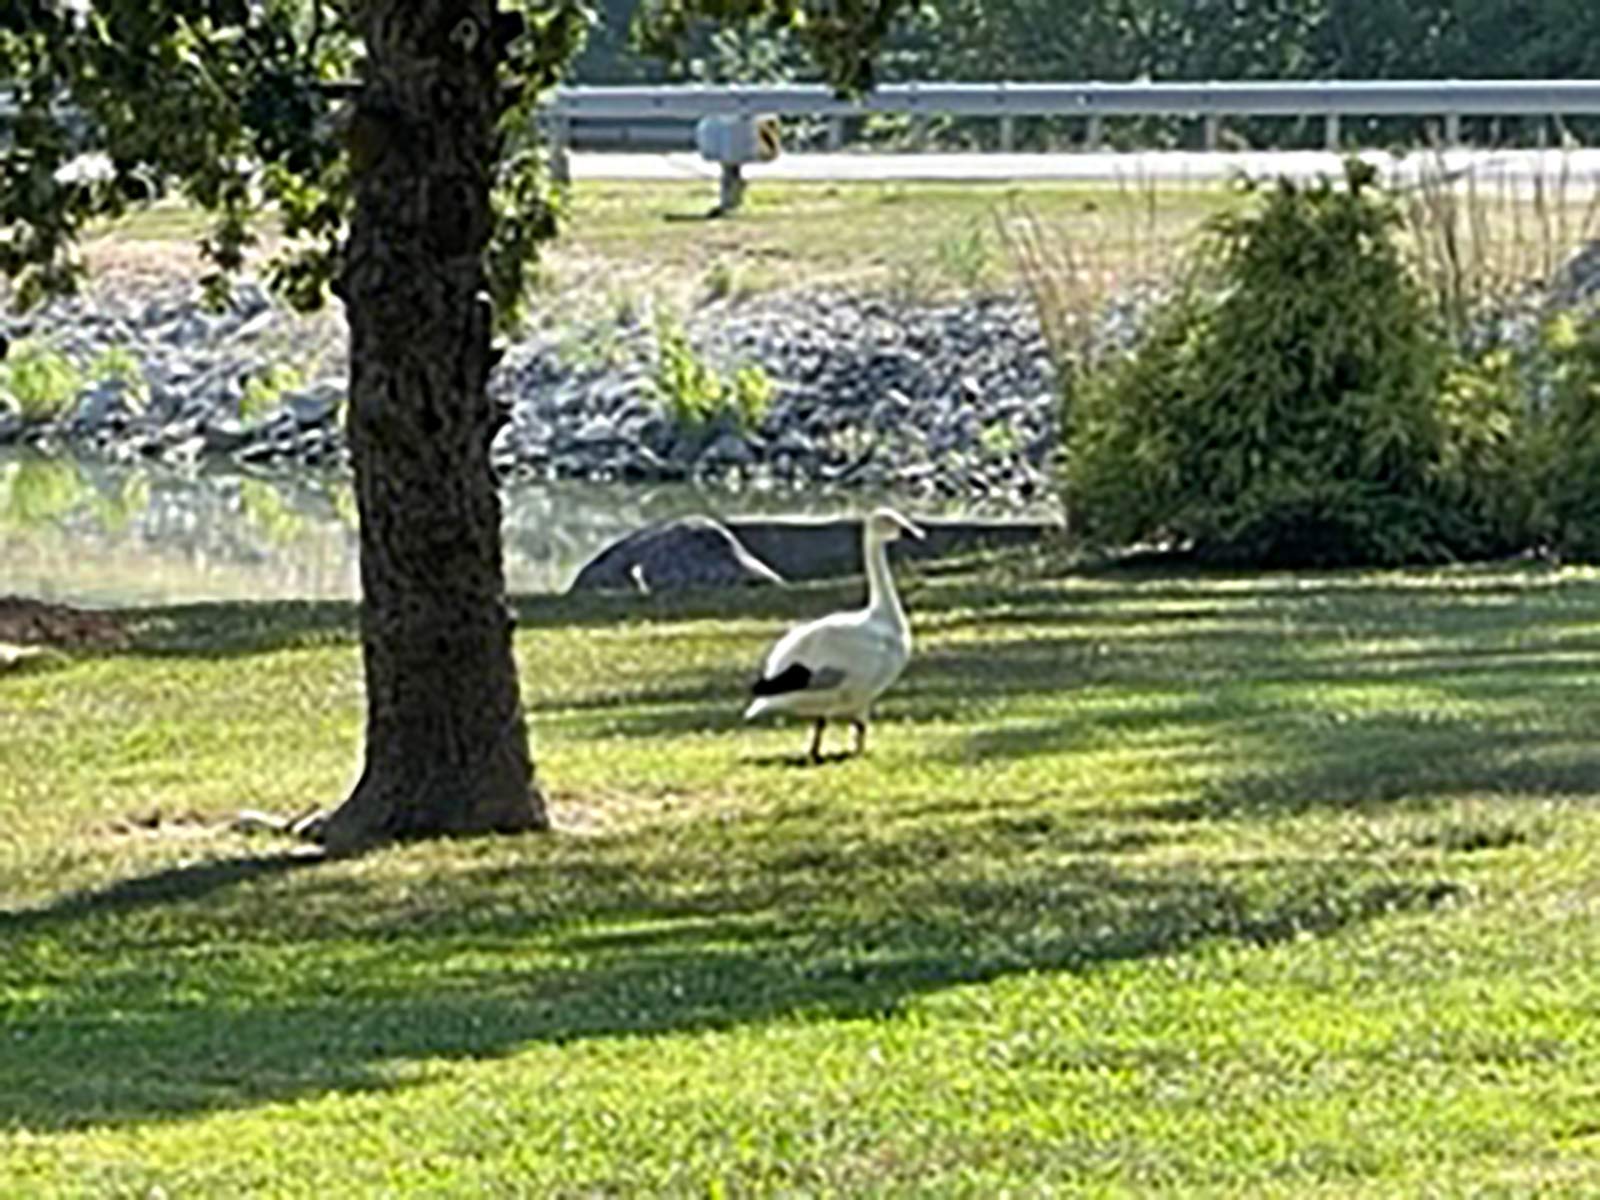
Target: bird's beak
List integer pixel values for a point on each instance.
(914, 530)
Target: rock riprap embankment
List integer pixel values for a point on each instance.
(951, 400)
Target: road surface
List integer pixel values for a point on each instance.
(1576, 172)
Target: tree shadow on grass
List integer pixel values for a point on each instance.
(193, 881)
(1203, 670)
(232, 630)
(1184, 611)
(801, 760)
(287, 982)
(939, 682)
(240, 629)
(1396, 761)
(1512, 727)
(214, 630)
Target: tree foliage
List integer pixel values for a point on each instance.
(237, 105)
(1211, 39)
(220, 98)
(1294, 39)
(843, 37)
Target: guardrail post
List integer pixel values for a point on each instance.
(1452, 129)
(835, 134)
(1094, 136)
(1213, 130)
(919, 131)
(1330, 131)
(560, 147)
(731, 194)
(1008, 135)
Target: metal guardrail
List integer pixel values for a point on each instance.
(657, 119)
(1403, 97)
(1450, 100)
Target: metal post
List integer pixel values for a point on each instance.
(919, 131)
(1452, 129)
(835, 134)
(732, 191)
(560, 145)
(1330, 131)
(1008, 135)
(1213, 130)
(1095, 136)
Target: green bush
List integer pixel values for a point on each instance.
(1284, 408)
(122, 364)
(752, 395)
(1566, 441)
(696, 396)
(264, 390)
(41, 381)
(1485, 472)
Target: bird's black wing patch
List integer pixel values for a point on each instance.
(797, 677)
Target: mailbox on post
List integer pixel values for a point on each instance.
(734, 140)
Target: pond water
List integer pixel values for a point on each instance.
(94, 533)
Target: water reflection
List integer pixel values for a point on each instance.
(90, 532)
(97, 533)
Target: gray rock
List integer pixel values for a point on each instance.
(190, 328)
(256, 452)
(101, 403)
(250, 299)
(254, 326)
(653, 431)
(727, 450)
(225, 435)
(1579, 277)
(689, 552)
(639, 462)
(794, 443)
(628, 393)
(316, 404)
(596, 430)
(184, 450)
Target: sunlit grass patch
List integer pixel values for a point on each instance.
(1268, 885)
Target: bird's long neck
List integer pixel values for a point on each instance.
(881, 596)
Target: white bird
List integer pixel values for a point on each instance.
(834, 668)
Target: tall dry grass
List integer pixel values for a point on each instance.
(1075, 268)
(1491, 242)
(1483, 243)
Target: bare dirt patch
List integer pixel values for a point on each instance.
(28, 622)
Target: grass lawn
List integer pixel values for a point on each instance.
(918, 241)
(1267, 885)
(623, 242)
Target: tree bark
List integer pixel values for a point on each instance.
(446, 739)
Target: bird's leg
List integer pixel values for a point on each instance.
(816, 739)
(861, 736)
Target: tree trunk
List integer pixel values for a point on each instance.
(446, 740)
